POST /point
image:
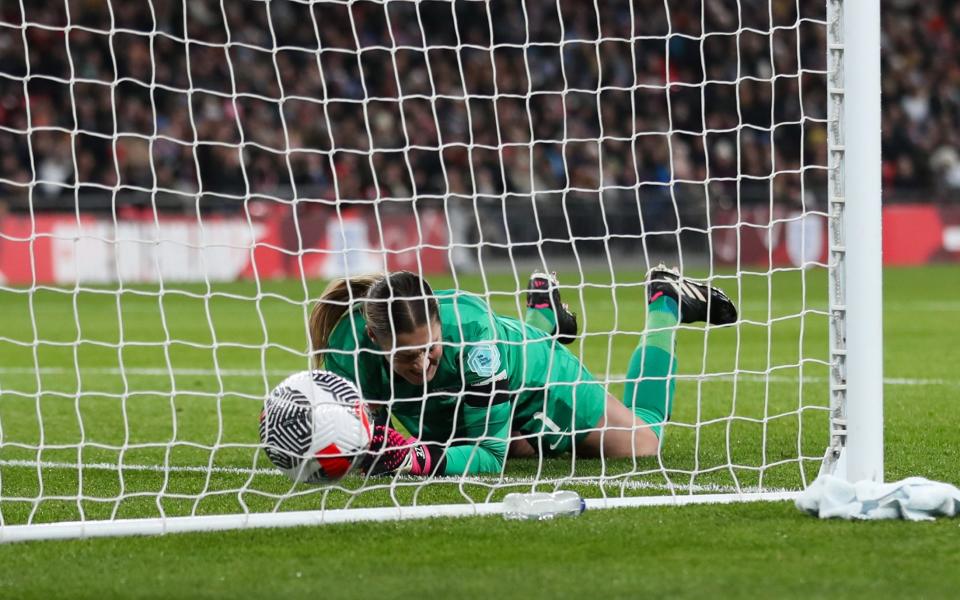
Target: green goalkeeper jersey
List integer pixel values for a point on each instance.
(479, 347)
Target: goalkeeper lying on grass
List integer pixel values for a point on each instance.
(464, 381)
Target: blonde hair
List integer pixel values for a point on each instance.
(395, 303)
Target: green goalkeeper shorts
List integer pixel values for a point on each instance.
(562, 413)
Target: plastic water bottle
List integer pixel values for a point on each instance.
(540, 506)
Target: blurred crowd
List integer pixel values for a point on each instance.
(354, 102)
(921, 97)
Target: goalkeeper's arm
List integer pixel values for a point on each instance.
(479, 445)
(485, 422)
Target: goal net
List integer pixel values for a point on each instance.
(179, 180)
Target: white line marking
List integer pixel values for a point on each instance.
(779, 307)
(270, 373)
(128, 467)
(611, 482)
(146, 371)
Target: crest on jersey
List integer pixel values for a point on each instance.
(484, 360)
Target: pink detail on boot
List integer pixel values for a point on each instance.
(654, 297)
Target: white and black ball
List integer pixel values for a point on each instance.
(315, 427)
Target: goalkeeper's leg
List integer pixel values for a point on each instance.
(633, 428)
(577, 410)
(650, 385)
(546, 311)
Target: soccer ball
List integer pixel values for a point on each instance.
(315, 427)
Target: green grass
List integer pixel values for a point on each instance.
(745, 551)
(145, 380)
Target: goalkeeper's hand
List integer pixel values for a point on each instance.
(390, 452)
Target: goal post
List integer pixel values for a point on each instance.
(857, 303)
(179, 180)
(856, 333)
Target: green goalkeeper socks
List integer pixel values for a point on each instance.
(543, 319)
(650, 385)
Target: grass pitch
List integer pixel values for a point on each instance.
(169, 386)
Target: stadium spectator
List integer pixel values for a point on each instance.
(426, 108)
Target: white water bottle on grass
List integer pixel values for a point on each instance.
(540, 506)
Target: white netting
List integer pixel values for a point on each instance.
(178, 179)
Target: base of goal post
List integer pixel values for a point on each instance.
(158, 526)
(834, 464)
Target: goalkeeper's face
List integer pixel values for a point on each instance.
(418, 353)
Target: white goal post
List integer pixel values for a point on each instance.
(856, 335)
(178, 179)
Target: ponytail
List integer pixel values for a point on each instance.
(336, 300)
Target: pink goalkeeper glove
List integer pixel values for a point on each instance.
(391, 452)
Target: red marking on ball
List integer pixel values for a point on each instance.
(333, 465)
(362, 412)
